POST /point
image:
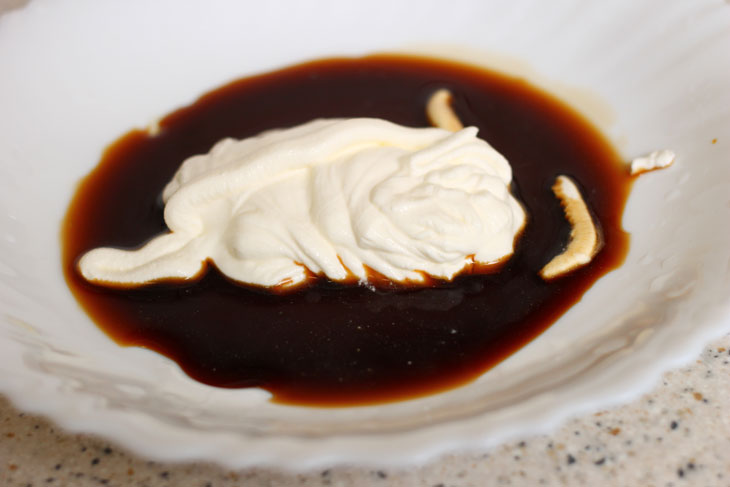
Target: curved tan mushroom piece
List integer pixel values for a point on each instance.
(440, 113)
(585, 236)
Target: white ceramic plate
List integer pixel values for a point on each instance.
(77, 74)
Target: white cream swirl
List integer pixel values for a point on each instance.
(334, 197)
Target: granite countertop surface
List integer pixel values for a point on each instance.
(674, 435)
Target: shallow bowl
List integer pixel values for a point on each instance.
(77, 74)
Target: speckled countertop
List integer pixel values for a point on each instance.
(677, 434)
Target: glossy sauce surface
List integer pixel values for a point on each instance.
(339, 344)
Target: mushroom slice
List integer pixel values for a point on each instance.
(585, 235)
(656, 160)
(440, 113)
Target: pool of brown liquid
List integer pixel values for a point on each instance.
(344, 344)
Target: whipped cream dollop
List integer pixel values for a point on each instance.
(334, 197)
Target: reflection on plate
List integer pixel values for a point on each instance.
(65, 100)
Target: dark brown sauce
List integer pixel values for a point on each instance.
(335, 344)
